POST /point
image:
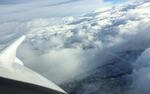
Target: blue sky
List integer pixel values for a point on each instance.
(116, 1)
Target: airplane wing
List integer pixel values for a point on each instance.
(8, 55)
(15, 77)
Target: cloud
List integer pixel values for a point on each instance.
(20, 10)
(5, 2)
(73, 45)
(62, 3)
(141, 74)
(61, 48)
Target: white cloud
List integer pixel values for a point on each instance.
(68, 48)
(47, 8)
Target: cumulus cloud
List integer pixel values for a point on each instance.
(141, 73)
(83, 43)
(61, 48)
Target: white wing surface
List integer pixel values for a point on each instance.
(12, 67)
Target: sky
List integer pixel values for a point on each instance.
(64, 50)
(31, 9)
(115, 1)
(68, 44)
(19, 16)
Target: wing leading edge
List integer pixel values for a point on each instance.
(8, 55)
(18, 72)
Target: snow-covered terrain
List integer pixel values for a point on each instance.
(103, 52)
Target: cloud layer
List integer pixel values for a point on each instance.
(61, 48)
(30, 9)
